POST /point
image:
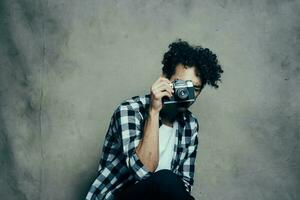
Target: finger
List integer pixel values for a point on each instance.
(158, 80)
(160, 90)
(165, 87)
(159, 95)
(164, 79)
(158, 85)
(163, 76)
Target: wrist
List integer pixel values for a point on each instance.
(153, 112)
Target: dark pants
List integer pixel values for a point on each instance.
(163, 184)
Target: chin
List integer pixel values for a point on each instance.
(182, 109)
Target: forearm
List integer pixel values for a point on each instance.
(148, 148)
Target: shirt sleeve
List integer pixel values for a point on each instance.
(128, 125)
(186, 167)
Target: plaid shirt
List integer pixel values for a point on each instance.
(119, 164)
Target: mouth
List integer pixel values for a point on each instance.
(182, 108)
(183, 105)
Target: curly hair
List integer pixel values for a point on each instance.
(204, 60)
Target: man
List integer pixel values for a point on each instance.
(150, 149)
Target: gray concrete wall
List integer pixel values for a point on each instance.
(65, 65)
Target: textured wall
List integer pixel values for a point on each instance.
(65, 65)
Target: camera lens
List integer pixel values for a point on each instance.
(182, 93)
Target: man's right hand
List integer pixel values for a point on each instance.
(148, 147)
(158, 90)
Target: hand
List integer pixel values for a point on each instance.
(159, 89)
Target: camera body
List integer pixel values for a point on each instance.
(184, 92)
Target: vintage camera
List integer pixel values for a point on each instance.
(184, 93)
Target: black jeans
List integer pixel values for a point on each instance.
(163, 184)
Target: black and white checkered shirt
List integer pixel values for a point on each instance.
(119, 164)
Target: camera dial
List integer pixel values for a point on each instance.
(182, 93)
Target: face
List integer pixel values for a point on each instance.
(187, 73)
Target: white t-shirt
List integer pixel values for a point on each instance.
(167, 137)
